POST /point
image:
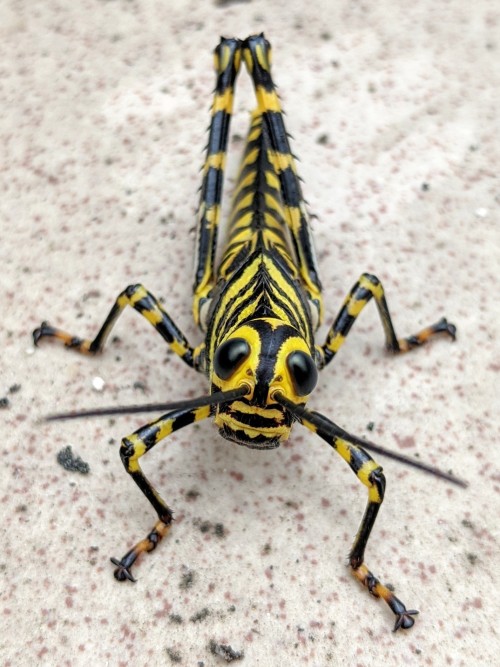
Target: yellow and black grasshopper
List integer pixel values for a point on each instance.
(258, 312)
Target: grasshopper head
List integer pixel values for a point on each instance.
(266, 356)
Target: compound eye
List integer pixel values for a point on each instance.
(303, 371)
(229, 356)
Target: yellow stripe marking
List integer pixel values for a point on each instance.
(139, 450)
(255, 410)
(336, 343)
(355, 307)
(250, 157)
(154, 316)
(281, 161)
(216, 161)
(244, 202)
(223, 102)
(272, 180)
(178, 348)
(261, 57)
(211, 215)
(244, 183)
(267, 99)
(224, 60)
(376, 290)
(273, 203)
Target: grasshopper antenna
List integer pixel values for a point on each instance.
(210, 399)
(329, 431)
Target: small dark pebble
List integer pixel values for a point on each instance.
(175, 656)
(70, 462)
(187, 580)
(175, 618)
(225, 651)
(200, 615)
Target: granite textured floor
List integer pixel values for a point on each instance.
(393, 110)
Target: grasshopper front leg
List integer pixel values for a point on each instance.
(371, 475)
(132, 449)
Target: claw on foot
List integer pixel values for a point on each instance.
(122, 572)
(447, 327)
(40, 332)
(404, 620)
(404, 616)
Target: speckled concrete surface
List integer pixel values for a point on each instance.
(102, 118)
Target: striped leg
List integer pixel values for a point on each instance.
(147, 305)
(227, 57)
(132, 448)
(257, 55)
(369, 286)
(370, 474)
